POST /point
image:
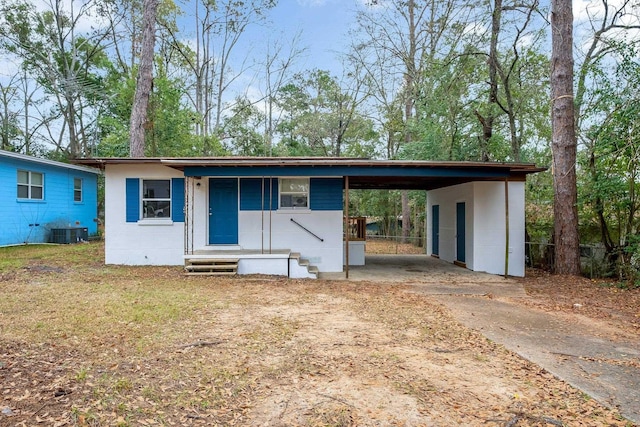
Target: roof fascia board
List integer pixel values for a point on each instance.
(182, 163)
(340, 171)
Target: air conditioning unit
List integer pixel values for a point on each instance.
(69, 235)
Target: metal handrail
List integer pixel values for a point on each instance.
(307, 230)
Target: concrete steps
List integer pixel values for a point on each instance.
(301, 268)
(287, 263)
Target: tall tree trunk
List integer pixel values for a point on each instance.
(6, 117)
(563, 145)
(70, 113)
(27, 104)
(410, 74)
(145, 80)
(488, 120)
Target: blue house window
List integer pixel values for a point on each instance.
(156, 198)
(294, 193)
(30, 185)
(77, 189)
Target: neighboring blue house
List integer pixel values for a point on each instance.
(43, 200)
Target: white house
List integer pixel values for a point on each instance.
(286, 216)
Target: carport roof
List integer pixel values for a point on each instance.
(362, 173)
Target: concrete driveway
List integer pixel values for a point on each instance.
(576, 349)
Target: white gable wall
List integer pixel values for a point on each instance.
(485, 225)
(150, 242)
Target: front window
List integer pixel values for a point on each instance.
(30, 185)
(294, 193)
(77, 189)
(156, 198)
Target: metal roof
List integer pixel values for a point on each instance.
(362, 173)
(24, 157)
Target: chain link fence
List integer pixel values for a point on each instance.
(539, 255)
(542, 255)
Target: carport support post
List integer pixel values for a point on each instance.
(346, 225)
(506, 227)
(262, 218)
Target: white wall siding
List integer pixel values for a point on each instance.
(276, 231)
(254, 228)
(139, 243)
(490, 237)
(485, 226)
(447, 198)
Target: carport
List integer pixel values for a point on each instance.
(493, 218)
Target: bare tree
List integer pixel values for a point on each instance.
(53, 50)
(277, 71)
(8, 114)
(608, 24)
(32, 114)
(220, 26)
(145, 80)
(381, 87)
(505, 67)
(408, 34)
(487, 120)
(564, 143)
(124, 18)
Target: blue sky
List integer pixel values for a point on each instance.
(324, 25)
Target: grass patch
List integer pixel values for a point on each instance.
(62, 302)
(72, 255)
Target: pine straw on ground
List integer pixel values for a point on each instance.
(389, 246)
(83, 344)
(594, 298)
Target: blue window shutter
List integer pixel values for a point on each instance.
(250, 194)
(250, 189)
(177, 199)
(133, 199)
(325, 194)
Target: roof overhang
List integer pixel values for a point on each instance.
(32, 159)
(362, 173)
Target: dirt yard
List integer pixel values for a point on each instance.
(83, 344)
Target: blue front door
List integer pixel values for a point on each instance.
(435, 229)
(460, 231)
(223, 211)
